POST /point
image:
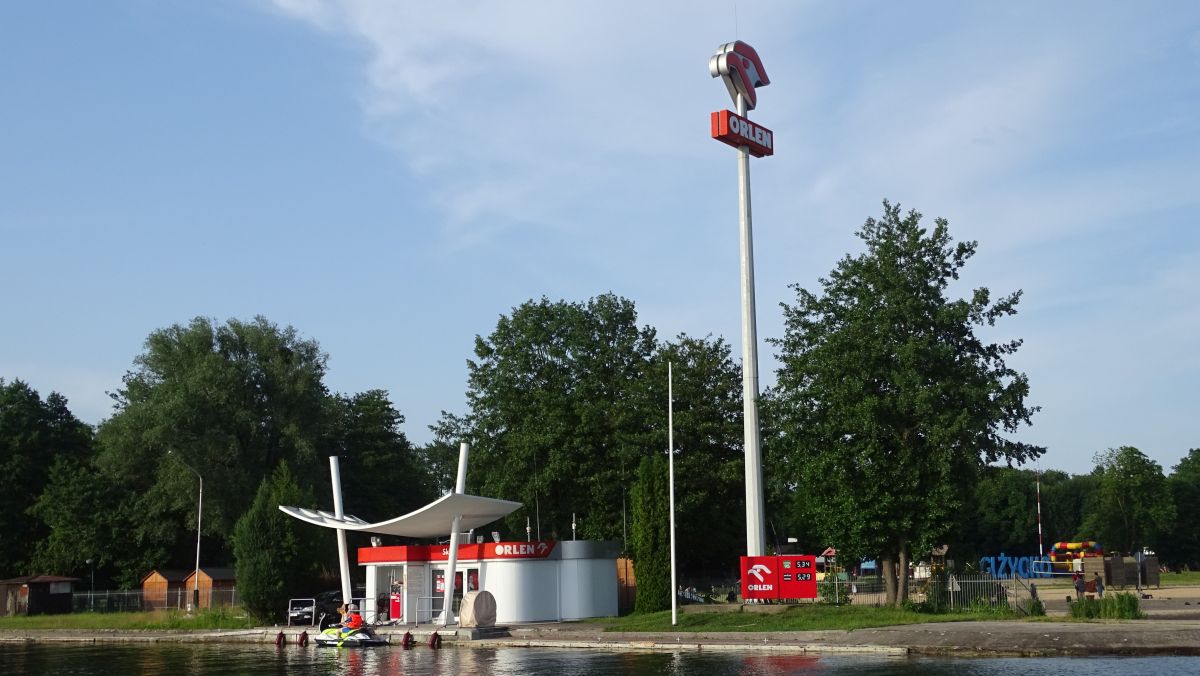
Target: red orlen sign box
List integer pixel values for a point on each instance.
(730, 128)
(760, 577)
(797, 576)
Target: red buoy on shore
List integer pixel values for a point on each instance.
(280, 640)
(303, 640)
(435, 641)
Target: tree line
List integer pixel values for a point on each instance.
(888, 432)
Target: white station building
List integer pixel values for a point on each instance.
(534, 581)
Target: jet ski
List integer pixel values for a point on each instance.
(335, 637)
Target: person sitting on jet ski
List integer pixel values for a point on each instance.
(352, 620)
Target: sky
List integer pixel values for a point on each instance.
(391, 177)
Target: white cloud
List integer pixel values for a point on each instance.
(533, 121)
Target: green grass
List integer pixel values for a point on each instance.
(1123, 606)
(216, 618)
(796, 618)
(1190, 578)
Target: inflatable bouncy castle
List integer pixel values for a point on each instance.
(1066, 552)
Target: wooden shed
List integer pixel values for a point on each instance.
(36, 595)
(217, 586)
(165, 589)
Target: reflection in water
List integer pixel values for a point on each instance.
(267, 660)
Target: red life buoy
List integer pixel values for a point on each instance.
(408, 641)
(280, 640)
(435, 641)
(303, 639)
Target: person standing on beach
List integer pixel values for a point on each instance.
(1099, 585)
(1080, 587)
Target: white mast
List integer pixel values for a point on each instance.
(671, 483)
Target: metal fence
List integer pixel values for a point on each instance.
(132, 600)
(941, 592)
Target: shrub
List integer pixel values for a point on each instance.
(651, 542)
(834, 596)
(1123, 606)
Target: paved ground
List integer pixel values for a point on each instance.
(1140, 637)
(1173, 629)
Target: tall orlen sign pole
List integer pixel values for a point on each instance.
(739, 66)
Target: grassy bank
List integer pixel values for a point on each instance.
(796, 618)
(217, 618)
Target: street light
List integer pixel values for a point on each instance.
(199, 512)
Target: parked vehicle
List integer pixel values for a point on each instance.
(321, 609)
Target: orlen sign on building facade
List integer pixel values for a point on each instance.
(779, 577)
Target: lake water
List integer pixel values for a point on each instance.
(265, 659)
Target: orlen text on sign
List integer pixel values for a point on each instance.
(735, 130)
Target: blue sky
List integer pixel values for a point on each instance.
(391, 177)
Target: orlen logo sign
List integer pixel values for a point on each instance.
(757, 571)
(735, 130)
(739, 66)
(520, 549)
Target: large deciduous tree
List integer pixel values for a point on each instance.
(558, 415)
(1132, 506)
(230, 401)
(382, 473)
(1001, 517)
(709, 464)
(36, 436)
(1065, 499)
(1180, 544)
(887, 397)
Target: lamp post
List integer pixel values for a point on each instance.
(199, 513)
(92, 587)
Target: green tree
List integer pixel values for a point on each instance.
(230, 401)
(1065, 499)
(889, 400)
(651, 537)
(274, 552)
(1132, 505)
(383, 475)
(709, 465)
(1001, 517)
(35, 435)
(1180, 544)
(558, 414)
(80, 511)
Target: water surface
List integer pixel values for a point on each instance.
(44, 659)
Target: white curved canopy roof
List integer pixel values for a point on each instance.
(431, 521)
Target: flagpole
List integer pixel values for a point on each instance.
(671, 481)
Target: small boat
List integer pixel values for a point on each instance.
(334, 637)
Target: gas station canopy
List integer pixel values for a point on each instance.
(431, 521)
